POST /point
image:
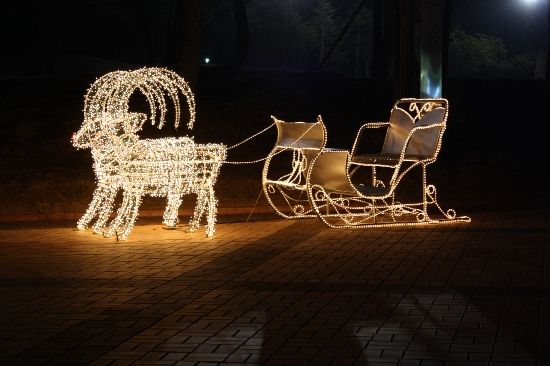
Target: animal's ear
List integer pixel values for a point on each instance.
(128, 139)
(134, 122)
(108, 122)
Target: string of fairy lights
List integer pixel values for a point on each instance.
(175, 166)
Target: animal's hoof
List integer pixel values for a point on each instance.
(168, 227)
(97, 230)
(171, 223)
(122, 237)
(81, 227)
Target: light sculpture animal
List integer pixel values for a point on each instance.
(165, 167)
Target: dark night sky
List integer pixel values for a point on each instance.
(522, 26)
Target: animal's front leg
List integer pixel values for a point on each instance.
(170, 217)
(121, 216)
(105, 209)
(93, 207)
(131, 215)
(212, 211)
(202, 202)
(121, 213)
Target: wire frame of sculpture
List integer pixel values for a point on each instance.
(413, 140)
(167, 167)
(285, 168)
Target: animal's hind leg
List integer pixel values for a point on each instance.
(93, 207)
(200, 206)
(131, 216)
(211, 215)
(105, 209)
(170, 217)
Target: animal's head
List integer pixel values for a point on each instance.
(83, 138)
(107, 127)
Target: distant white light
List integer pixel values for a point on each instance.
(530, 2)
(207, 60)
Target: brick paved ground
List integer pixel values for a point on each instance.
(279, 292)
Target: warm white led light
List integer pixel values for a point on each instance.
(166, 167)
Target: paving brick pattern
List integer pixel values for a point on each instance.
(278, 292)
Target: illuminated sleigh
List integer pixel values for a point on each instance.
(342, 195)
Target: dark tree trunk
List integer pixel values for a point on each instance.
(242, 34)
(324, 57)
(390, 33)
(406, 67)
(446, 37)
(357, 48)
(384, 40)
(548, 46)
(378, 41)
(188, 58)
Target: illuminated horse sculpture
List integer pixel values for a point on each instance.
(169, 167)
